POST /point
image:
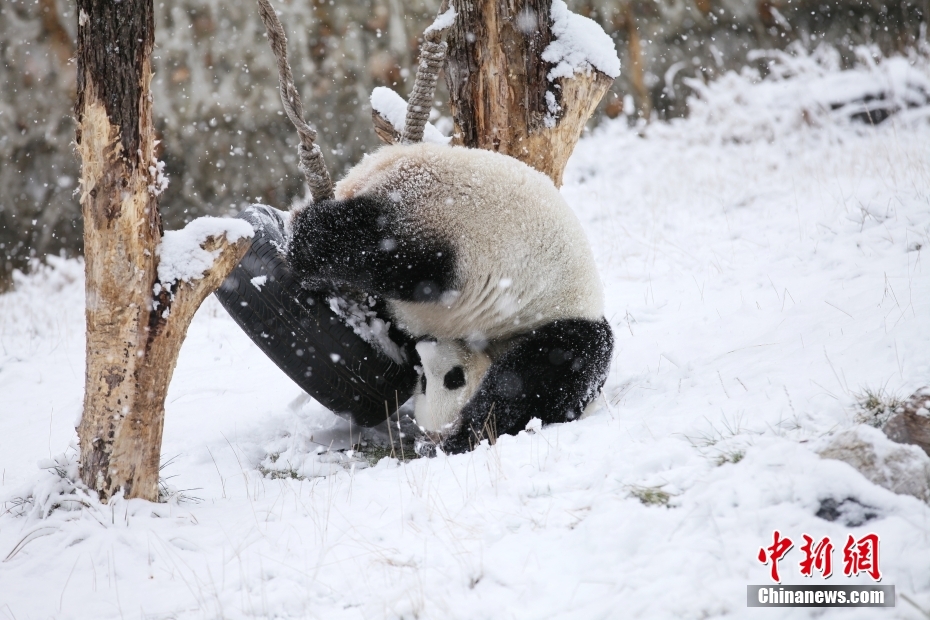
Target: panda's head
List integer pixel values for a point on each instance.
(451, 372)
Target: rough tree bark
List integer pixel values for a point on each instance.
(637, 68)
(131, 348)
(498, 82)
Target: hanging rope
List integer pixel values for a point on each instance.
(311, 157)
(432, 55)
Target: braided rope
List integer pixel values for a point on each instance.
(311, 157)
(432, 55)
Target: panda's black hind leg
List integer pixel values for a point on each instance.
(365, 243)
(552, 374)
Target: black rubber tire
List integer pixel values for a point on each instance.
(301, 334)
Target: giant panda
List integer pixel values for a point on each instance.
(481, 261)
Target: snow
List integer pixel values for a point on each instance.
(756, 281)
(442, 21)
(180, 255)
(365, 322)
(392, 106)
(579, 44)
(159, 179)
(807, 90)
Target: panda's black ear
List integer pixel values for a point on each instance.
(454, 379)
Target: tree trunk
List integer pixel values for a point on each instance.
(637, 69)
(498, 84)
(131, 348)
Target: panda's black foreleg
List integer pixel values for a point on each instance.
(552, 374)
(364, 243)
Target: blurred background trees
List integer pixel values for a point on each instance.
(226, 143)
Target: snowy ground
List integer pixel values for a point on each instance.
(761, 270)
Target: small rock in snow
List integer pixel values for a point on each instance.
(910, 423)
(898, 468)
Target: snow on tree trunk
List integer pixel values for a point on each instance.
(524, 76)
(133, 339)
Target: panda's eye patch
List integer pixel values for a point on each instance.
(423, 383)
(454, 379)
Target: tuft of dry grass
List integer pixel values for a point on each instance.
(650, 495)
(168, 493)
(876, 406)
(729, 429)
(730, 456)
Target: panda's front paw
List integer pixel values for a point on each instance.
(456, 443)
(463, 440)
(425, 447)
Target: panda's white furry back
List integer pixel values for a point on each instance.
(522, 258)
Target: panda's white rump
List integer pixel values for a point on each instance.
(522, 259)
